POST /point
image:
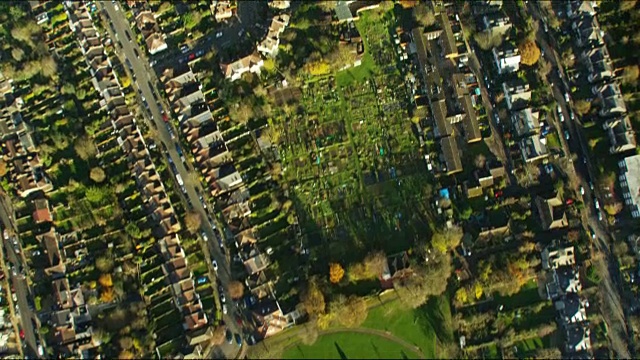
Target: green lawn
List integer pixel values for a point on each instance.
(349, 346)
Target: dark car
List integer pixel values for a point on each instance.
(128, 35)
(238, 340)
(229, 337)
(135, 51)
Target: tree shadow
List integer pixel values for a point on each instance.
(342, 354)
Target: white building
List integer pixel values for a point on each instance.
(630, 183)
(507, 59)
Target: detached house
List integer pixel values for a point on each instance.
(552, 212)
(588, 31)
(533, 149)
(526, 122)
(556, 255)
(599, 64)
(496, 21)
(621, 134)
(565, 279)
(269, 46)
(507, 58)
(577, 339)
(517, 94)
(234, 70)
(611, 97)
(571, 309)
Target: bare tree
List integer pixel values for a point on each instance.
(193, 221)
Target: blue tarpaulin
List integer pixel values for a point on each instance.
(444, 193)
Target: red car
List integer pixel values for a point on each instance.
(192, 56)
(21, 334)
(165, 117)
(569, 201)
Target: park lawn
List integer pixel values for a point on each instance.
(349, 345)
(358, 73)
(415, 326)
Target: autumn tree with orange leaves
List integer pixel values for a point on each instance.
(336, 273)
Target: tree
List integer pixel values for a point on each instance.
(236, 289)
(126, 355)
(327, 5)
(313, 299)
(104, 264)
(17, 54)
(447, 240)
(351, 312)
(192, 19)
(375, 263)
(461, 296)
(488, 39)
(133, 230)
(107, 295)
(273, 134)
(630, 75)
(627, 5)
(193, 221)
(3, 168)
(105, 280)
(68, 89)
(165, 7)
(548, 353)
(613, 209)
(48, 67)
(477, 288)
(97, 174)
(529, 53)
(428, 279)
(336, 272)
(218, 335)
(85, 148)
(484, 270)
(96, 195)
(423, 15)
(582, 107)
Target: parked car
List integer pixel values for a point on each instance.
(567, 136)
(238, 340)
(201, 280)
(229, 337)
(596, 204)
(218, 34)
(224, 310)
(204, 236)
(222, 298)
(215, 265)
(184, 49)
(581, 190)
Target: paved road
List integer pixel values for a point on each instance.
(145, 75)
(584, 174)
(19, 282)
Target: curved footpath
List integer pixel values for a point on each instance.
(385, 334)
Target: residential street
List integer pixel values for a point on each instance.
(584, 174)
(145, 75)
(20, 284)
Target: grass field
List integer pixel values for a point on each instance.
(424, 328)
(350, 346)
